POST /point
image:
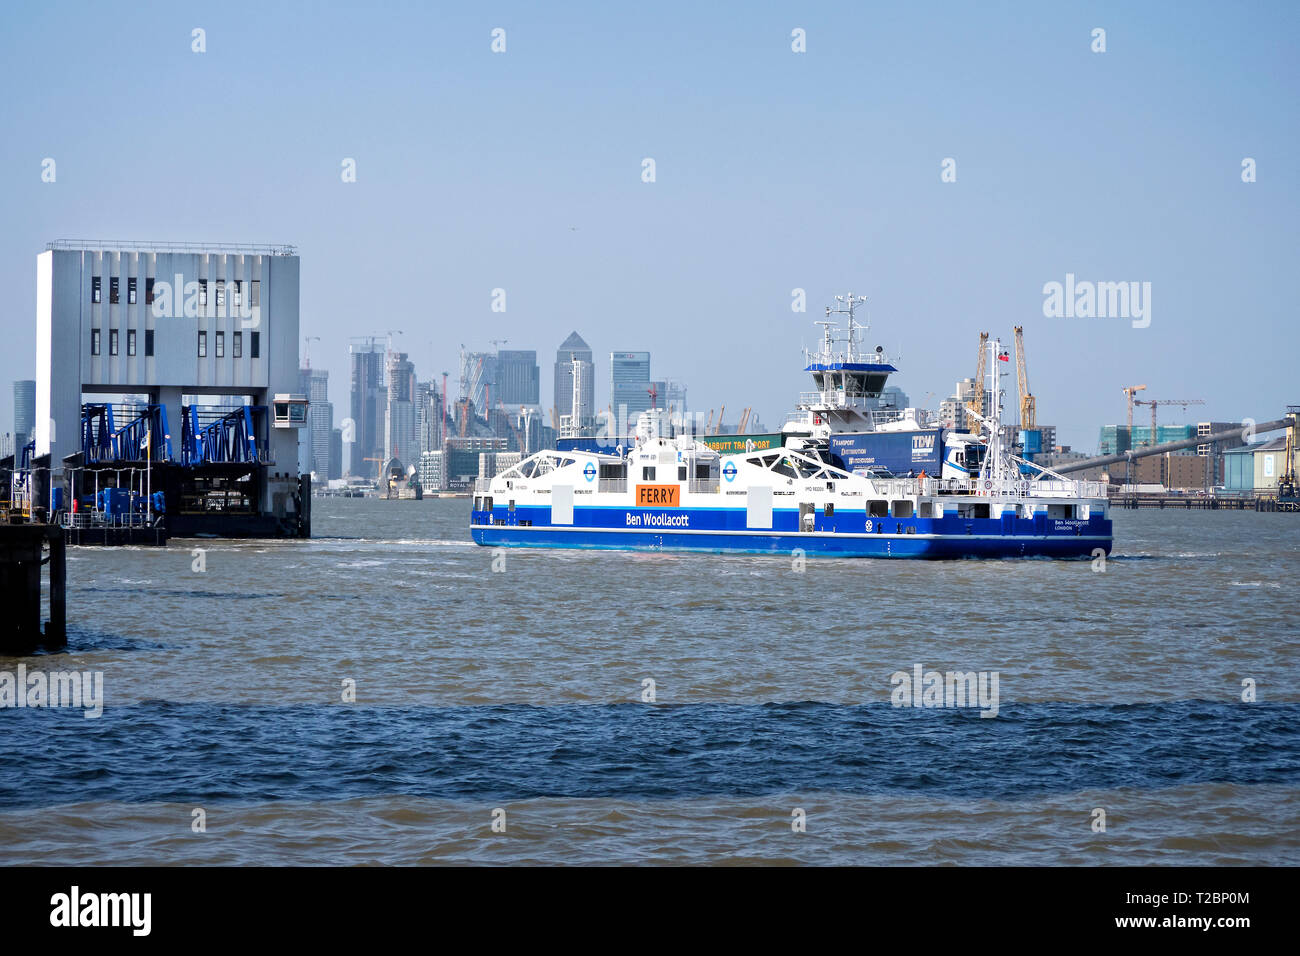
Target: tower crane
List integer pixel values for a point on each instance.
(977, 406)
(1129, 392)
(1028, 412)
(1155, 403)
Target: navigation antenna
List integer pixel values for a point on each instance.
(849, 303)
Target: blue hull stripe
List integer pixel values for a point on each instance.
(812, 544)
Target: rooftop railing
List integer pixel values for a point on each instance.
(134, 245)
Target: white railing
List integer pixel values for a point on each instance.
(707, 486)
(614, 485)
(98, 519)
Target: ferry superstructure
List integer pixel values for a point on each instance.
(670, 492)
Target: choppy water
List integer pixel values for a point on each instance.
(522, 690)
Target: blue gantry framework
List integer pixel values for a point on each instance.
(209, 434)
(214, 435)
(102, 441)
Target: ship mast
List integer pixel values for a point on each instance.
(849, 303)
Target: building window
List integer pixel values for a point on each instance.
(130, 291)
(95, 290)
(130, 341)
(238, 343)
(221, 295)
(203, 292)
(221, 345)
(148, 340)
(94, 341)
(112, 290)
(203, 345)
(255, 343)
(255, 293)
(148, 291)
(238, 293)
(112, 341)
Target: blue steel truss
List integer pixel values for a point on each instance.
(218, 436)
(102, 442)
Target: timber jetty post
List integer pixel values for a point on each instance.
(24, 549)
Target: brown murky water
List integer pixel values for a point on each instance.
(522, 690)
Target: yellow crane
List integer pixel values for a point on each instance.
(977, 406)
(717, 429)
(744, 420)
(1028, 413)
(1286, 484)
(708, 427)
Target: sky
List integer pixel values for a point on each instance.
(774, 170)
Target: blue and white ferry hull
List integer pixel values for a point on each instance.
(774, 502)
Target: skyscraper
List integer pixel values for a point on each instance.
(315, 384)
(478, 373)
(368, 406)
(401, 437)
(574, 348)
(24, 414)
(518, 379)
(629, 377)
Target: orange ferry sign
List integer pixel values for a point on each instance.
(658, 496)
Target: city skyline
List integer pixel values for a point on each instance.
(748, 202)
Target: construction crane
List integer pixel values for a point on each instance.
(977, 406)
(708, 427)
(1286, 483)
(717, 429)
(1129, 392)
(306, 354)
(1156, 402)
(1028, 413)
(744, 420)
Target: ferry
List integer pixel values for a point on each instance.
(961, 495)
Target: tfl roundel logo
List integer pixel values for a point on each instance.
(589, 472)
(729, 471)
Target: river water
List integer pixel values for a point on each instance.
(518, 696)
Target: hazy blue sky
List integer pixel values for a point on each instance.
(775, 170)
